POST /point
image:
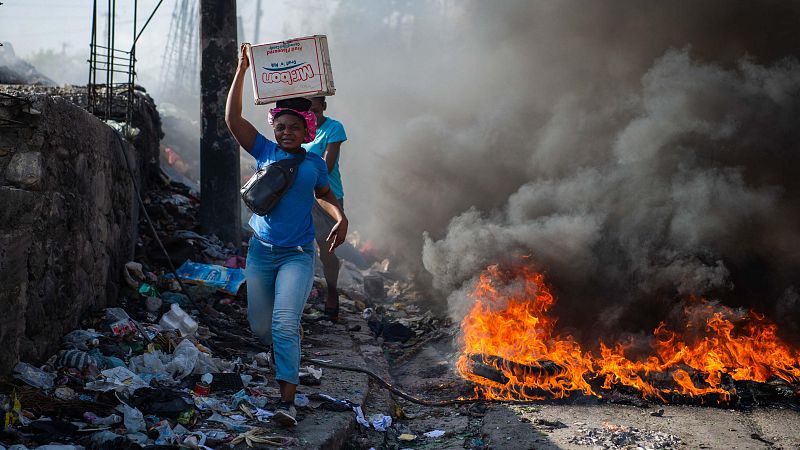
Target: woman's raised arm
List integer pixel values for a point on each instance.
(243, 131)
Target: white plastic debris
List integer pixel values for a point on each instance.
(34, 376)
(118, 379)
(301, 400)
(381, 422)
(184, 359)
(134, 420)
(313, 371)
(434, 434)
(360, 416)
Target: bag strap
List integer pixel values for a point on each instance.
(294, 161)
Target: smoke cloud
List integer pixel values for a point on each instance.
(696, 196)
(636, 152)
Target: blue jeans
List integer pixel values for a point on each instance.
(279, 280)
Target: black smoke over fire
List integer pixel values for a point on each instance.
(636, 152)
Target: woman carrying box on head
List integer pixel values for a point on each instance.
(280, 261)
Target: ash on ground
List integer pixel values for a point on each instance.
(618, 437)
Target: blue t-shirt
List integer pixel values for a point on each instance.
(330, 132)
(289, 223)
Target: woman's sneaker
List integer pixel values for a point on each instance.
(285, 414)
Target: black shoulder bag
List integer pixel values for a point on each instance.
(266, 187)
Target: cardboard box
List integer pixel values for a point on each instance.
(295, 68)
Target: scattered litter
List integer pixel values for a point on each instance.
(612, 436)
(301, 401)
(93, 419)
(380, 422)
(34, 376)
(310, 376)
(82, 339)
(434, 434)
(262, 359)
(233, 425)
(75, 359)
(223, 278)
(65, 393)
(177, 319)
(406, 437)
(263, 415)
(133, 274)
(549, 424)
(148, 290)
(117, 379)
(120, 322)
(134, 420)
(259, 436)
(360, 416)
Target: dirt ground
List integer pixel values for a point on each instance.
(696, 427)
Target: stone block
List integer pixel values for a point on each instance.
(14, 249)
(25, 170)
(18, 207)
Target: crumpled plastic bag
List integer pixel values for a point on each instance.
(134, 420)
(208, 364)
(81, 339)
(165, 434)
(151, 366)
(230, 424)
(34, 376)
(184, 359)
(381, 422)
(119, 379)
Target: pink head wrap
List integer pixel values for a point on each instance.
(311, 121)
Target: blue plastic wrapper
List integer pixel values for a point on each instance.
(224, 279)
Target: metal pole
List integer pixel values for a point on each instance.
(108, 60)
(132, 67)
(92, 62)
(219, 152)
(111, 51)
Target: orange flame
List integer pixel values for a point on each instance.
(510, 330)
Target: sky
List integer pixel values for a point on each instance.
(65, 25)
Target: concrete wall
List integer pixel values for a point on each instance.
(68, 216)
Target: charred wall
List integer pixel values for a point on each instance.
(68, 214)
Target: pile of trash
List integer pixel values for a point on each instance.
(161, 367)
(144, 374)
(174, 363)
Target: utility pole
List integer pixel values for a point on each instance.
(257, 33)
(219, 152)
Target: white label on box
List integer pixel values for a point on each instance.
(287, 69)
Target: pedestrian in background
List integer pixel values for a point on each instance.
(328, 144)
